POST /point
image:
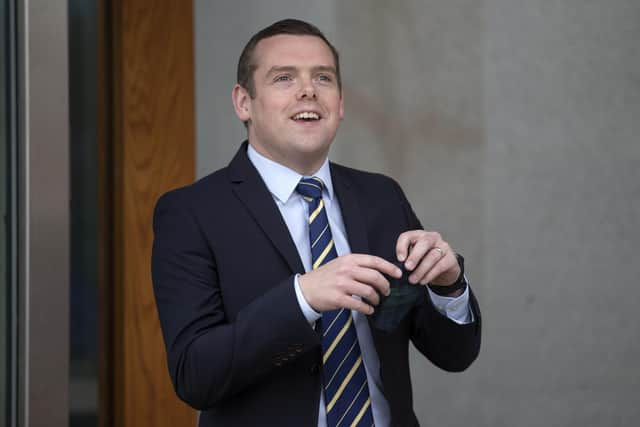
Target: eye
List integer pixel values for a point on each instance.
(325, 78)
(282, 78)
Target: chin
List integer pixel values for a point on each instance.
(313, 147)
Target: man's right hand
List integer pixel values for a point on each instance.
(333, 285)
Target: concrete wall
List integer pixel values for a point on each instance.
(513, 127)
(562, 213)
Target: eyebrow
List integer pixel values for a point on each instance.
(290, 68)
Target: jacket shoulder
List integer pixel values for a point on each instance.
(203, 189)
(364, 180)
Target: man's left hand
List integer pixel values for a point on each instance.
(428, 257)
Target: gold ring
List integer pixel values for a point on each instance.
(439, 250)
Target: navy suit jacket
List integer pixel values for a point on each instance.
(238, 346)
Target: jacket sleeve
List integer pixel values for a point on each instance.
(447, 344)
(209, 357)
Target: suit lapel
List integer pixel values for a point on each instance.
(248, 186)
(352, 213)
(355, 224)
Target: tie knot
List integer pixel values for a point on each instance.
(310, 187)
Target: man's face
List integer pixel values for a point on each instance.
(298, 106)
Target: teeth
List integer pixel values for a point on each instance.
(306, 115)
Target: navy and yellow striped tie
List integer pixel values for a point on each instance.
(346, 392)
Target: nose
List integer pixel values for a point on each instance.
(307, 90)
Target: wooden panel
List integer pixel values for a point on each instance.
(154, 145)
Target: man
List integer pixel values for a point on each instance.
(266, 273)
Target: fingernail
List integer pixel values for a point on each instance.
(400, 257)
(412, 279)
(409, 265)
(398, 273)
(388, 292)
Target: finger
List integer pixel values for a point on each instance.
(405, 240)
(418, 251)
(377, 263)
(366, 292)
(350, 303)
(372, 278)
(428, 261)
(447, 262)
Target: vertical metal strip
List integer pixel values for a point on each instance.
(43, 199)
(12, 208)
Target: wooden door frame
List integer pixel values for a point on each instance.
(147, 146)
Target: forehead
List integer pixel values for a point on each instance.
(292, 50)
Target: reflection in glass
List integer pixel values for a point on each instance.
(83, 381)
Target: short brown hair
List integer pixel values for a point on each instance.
(246, 65)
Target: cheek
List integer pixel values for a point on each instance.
(337, 107)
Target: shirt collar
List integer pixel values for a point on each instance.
(281, 180)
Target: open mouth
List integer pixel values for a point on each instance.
(306, 116)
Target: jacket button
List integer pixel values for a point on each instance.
(314, 369)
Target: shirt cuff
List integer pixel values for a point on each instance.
(456, 309)
(309, 313)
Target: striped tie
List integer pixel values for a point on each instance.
(346, 392)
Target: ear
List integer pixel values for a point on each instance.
(341, 108)
(241, 102)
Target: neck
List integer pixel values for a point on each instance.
(306, 164)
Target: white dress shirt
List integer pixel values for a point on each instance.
(281, 182)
